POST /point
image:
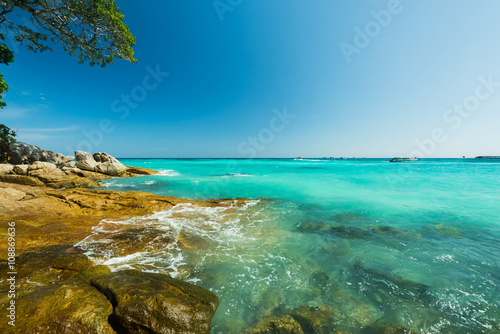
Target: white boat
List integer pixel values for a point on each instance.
(401, 159)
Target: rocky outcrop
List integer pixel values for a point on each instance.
(96, 301)
(99, 162)
(23, 153)
(59, 289)
(85, 172)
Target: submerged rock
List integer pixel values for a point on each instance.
(276, 325)
(386, 328)
(317, 320)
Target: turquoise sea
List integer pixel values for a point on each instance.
(411, 243)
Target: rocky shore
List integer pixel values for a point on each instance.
(58, 289)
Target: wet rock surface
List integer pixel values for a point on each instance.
(96, 301)
(155, 303)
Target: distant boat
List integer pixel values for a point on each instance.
(488, 157)
(400, 159)
(298, 158)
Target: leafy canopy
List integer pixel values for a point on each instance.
(6, 138)
(90, 30)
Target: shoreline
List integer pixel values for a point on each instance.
(51, 212)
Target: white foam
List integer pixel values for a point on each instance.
(224, 228)
(168, 172)
(149, 182)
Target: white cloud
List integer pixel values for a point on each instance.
(69, 128)
(30, 137)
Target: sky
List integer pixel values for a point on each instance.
(282, 78)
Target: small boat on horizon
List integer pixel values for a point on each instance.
(401, 159)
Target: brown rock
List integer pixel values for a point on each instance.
(69, 307)
(141, 170)
(6, 168)
(21, 169)
(155, 303)
(22, 179)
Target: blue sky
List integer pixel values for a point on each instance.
(284, 78)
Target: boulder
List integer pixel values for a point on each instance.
(110, 168)
(6, 168)
(23, 153)
(156, 303)
(86, 165)
(20, 169)
(104, 157)
(82, 156)
(85, 161)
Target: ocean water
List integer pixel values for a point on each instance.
(412, 243)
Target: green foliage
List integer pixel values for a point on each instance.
(90, 30)
(6, 138)
(6, 57)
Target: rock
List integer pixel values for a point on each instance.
(155, 303)
(20, 169)
(110, 168)
(86, 165)
(104, 157)
(45, 265)
(91, 175)
(70, 307)
(317, 320)
(85, 161)
(276, 325)
(22, 179)
(83, 156)
(45, 171)
(6, 168)
(22, 153)
(141, 170)
(71, 164)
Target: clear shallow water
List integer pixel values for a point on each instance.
(414, 243)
